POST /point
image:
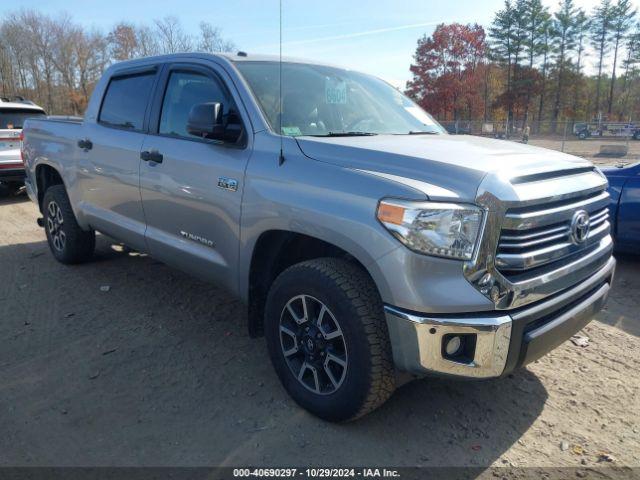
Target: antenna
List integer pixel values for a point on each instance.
(281, 157)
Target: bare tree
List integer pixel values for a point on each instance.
(66, 35)
(123, 42)
(15, 47)
(172, 38)
(211, 40)
(6, 70)
(92, 56)
(39, 31)
(147, 42)
(57, 62)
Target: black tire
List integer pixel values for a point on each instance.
(355, 305)
(67, 241)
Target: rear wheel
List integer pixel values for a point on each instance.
(67, 241)
(328, 340)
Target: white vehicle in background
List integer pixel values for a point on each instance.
(13, 113)
(606, 129)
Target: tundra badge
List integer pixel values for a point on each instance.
(197, 238)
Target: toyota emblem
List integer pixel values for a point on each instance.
(310, 344)
(580, 226)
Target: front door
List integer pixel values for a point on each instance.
(191, 187)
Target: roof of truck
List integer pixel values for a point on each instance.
(231, 57)
(20, 105)
(251, 57)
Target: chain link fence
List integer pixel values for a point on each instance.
(604, 143)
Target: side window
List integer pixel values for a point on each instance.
(126, 99)
(184, 90)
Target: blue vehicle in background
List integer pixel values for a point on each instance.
(624, 209)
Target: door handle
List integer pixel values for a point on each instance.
(85, 144)
(151, 156)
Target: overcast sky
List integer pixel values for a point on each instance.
(376, 36)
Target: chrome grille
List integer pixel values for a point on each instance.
(539, 237)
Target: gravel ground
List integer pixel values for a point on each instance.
(590, 148)
(157, 369)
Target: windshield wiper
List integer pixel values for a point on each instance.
(346, 134)
(422, 132)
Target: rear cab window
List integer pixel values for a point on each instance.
(125, 101)
(14, 118)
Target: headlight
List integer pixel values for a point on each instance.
(442, 229)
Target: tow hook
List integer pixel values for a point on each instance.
(40, 222)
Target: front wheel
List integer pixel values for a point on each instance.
(327, 339)
(67, 241)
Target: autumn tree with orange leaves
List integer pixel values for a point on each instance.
(448, 71)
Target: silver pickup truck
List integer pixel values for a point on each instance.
(364, 239)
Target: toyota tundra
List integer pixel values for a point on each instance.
(364, 240)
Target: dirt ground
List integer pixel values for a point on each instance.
(159, 370)
(590, 148)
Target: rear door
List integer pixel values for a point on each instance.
(192, 187)
(110, 157)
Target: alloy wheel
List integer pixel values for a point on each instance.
(313, 344)
(54, 224)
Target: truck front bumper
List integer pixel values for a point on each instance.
(494, 344)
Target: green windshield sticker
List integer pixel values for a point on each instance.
(335, 91)
(293, 131)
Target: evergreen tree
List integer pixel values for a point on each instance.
(520, 32)
(629, 64)
(581, 26)
(622, 20)
(537, 16)
(545, 47)
(507, 34)
(601, 21)
(564, 33)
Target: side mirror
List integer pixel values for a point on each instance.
(205, 120)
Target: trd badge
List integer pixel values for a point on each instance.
(228, 183)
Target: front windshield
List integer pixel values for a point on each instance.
(325, 101)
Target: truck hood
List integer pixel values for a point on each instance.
(625, 171)
(441, 166)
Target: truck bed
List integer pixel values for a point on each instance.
(55, 140)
